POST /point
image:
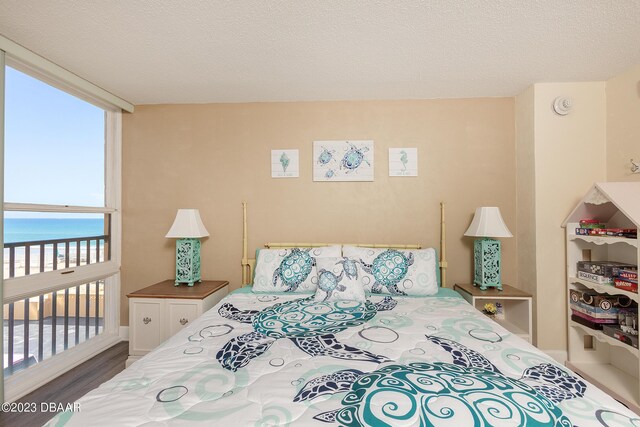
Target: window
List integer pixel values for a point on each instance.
(37, 242)
(61, 226)
(54, 145)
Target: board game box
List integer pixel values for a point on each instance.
(586, 322)
(620, 335)
(625, 285)
(602, 268)
(628, 274)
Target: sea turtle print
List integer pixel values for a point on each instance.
(309, 324)
(350, 267)
(469, 391)
(353, 158)
(329, 282)
(325, 156)
(388, 269)
(294, 269)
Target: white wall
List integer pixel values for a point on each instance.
(623, 124)
(565, 155)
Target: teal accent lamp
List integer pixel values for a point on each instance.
(487, 223)
(188, 229)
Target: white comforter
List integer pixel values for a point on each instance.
(402, 362)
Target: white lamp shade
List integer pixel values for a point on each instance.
(487, 222)
(187, 224)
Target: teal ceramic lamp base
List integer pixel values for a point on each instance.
(486, 272)
(187, 261)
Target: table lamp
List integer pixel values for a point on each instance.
(487, 223)
(188, 229)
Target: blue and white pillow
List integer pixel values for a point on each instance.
(290, 270)
(396, 272)
(338, 280)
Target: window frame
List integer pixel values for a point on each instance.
(2, 73)
(25, 286)
(14, 289)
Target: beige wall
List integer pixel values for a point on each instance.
(569, 154)
(623, 125)
(215, 156)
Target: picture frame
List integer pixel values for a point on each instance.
(344, 160)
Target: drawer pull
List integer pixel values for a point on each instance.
(146, 320)
(184, 321)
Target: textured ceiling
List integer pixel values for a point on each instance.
(161, 51)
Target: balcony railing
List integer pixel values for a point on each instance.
(38, 256)
(41, 326)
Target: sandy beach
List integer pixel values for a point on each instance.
(48, 265)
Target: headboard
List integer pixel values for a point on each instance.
(248, 264)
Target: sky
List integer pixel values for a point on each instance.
(54, 146)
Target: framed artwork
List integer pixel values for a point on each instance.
(343, 160)
(285, 164)
(403, 162)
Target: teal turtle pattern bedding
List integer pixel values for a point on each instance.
(283, 359)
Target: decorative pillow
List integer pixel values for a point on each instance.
(338, 280)
(289, 270)
(396, 272)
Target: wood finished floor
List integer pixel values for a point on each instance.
(71, 385)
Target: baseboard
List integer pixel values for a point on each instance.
(24, 382)
(124, 333)
(559, 356)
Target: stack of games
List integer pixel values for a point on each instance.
(626, 278)
(631, 233)
(593, 227)
(589, 226)
(627, 328)
(601, 272)
(594, 310)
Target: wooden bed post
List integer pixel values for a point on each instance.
(245, 261)
(443, 248)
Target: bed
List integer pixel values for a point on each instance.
(289, 358)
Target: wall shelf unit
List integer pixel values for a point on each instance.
(610, 364)
(600, 336)
(604, 240)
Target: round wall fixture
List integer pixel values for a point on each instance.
(562, 105)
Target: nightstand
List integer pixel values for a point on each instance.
(159, 311)
(516, 305)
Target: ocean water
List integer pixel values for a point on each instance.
(29, 229)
